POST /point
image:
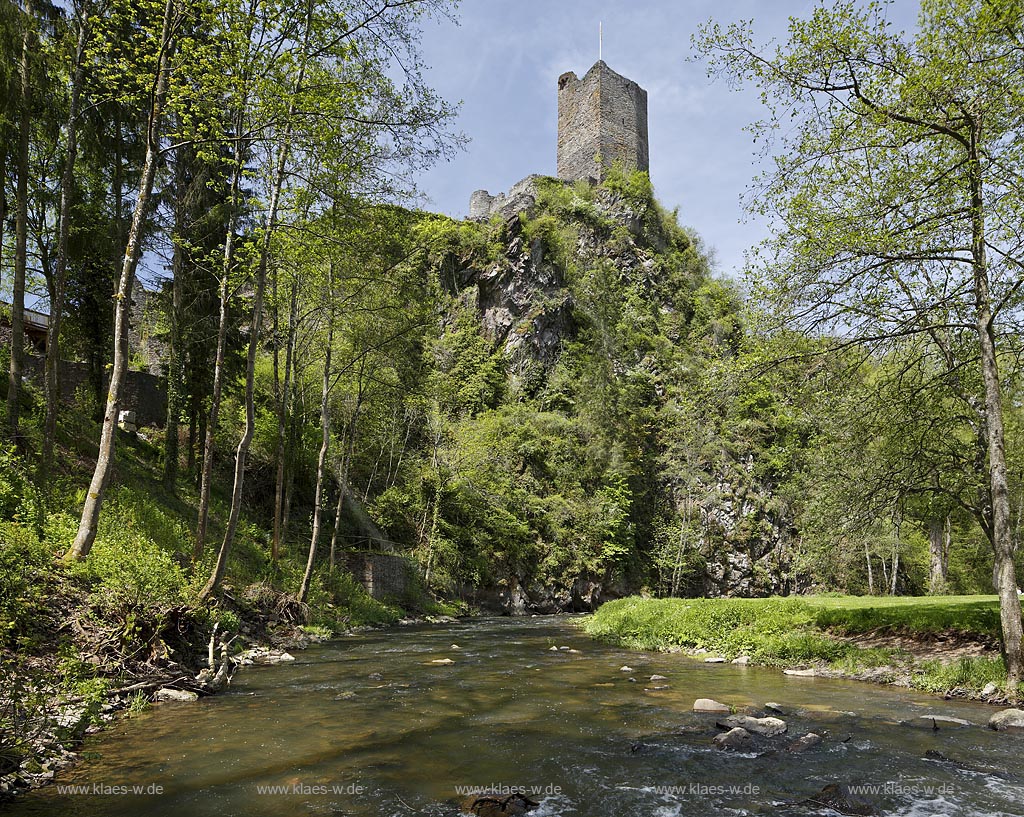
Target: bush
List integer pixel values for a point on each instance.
(24, 560)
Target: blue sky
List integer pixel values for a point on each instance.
(503, 62)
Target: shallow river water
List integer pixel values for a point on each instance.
(367, 725)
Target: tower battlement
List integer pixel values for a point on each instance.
(602, 119)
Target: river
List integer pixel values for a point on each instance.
(369, 725)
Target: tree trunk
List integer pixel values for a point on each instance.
(52, 365)
(175, 356)
(346, 466)
(1002, 535)
(20, 233)
(325, 441)
(282, 426)
(206, 470)
(242, 452)
(938, 537)
(871, 575)
(105, 458)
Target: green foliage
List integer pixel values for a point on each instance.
(24, 563)
(19, 498)
(794, 631)
(971, 616)
(968, 673)
(634, 186)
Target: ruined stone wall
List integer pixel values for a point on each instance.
(143, 393)
(382, 574)
(602, 119)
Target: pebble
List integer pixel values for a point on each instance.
(625, 668)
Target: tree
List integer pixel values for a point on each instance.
(166, 42)
(897, 187)
(28, 39)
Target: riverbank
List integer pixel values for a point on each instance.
(76, 670)
(378, 723)
(942, 645)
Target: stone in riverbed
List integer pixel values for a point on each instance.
(710, 705)
(743, 659)
(714, 660)
(169, 694)
(442, 661)
(775, 708)
(769, 727)
(801, 673)
(658, 678)
(837, 797)
(804, 742)
(625, 668)
(1007, 719)
(936, 722)
(990, 689)
(497, 804)
(732, 740)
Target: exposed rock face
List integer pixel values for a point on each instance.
(747, 535)
(524, 303)
(527, 307)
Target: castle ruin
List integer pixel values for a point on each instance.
(602, 120)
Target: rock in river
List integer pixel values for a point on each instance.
(498, 805)
(738, 738)
(769, 727)
(710, 705)
(1007, 719)
(169, 694)
(804, 742)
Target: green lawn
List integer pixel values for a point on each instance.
(808, 630)
(976, 616)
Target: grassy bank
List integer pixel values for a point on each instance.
(864, 637)
(80, 642)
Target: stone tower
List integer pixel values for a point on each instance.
(602, 119)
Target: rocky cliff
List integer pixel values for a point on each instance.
(602, 307)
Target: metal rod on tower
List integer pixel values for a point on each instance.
(600, 40)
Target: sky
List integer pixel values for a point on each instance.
(503, 60)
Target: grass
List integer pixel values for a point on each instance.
(804, 630)
(971, 616)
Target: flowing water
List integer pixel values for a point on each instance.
(367, 725)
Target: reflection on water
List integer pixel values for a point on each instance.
(368, 725)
